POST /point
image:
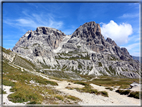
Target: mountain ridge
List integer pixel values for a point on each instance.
(85, 51)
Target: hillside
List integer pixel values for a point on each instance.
(24, 84)
(85, 52)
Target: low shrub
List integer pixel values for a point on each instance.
(48, 82)
(60, 97)
(70, 88)
(24, 93)
(8, 82)
(134, 94)
(2, 92)
(123, 92)
(73, 98)
(104, 93)
(94, 91)
(109, 88)
(82, 83)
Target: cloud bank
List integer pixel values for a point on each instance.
(119, 33)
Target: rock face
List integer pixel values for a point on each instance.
(38, 45)
(85, 52)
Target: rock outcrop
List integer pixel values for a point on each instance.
(85, 51)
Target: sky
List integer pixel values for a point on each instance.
(119, 21)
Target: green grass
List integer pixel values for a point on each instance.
(2, 91)
(64, 54)
(78, 47)
(109, 81)
(79, 65)
(135, 94)
(92, 91)
(23, 90)
(70, 88)
(109, 88)
(24, 93)
(88, 89)
(104, 93)
(57, 74)
(62, 75)
(123, 92)
(60, 97)
(82, 83)
(76, 71)
(45, 66)
(55, 78)
(5, 50)
(23, 62)
(73, 98)
(8, 82)
(16, 74)
(89, 68)
(112, 70)
(108, 70)
(100, 64)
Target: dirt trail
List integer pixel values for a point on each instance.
(91, 99)
(116, 98)
(5, 97)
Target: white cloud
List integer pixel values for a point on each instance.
(132, 46)
(34, 21)
(134, 38)
(118, 33)
(129, 16)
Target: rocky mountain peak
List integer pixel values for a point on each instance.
(45, 30)
(43, 38)
(109, 40)
(93, 25)
(125, 52)
(90, 34)
(85, 51)
(88, 30)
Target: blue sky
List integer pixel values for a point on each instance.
(119, 21)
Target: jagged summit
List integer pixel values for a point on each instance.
(49, 36)
(87, 30)
(46, 30)
(85, 51)
(109, 40)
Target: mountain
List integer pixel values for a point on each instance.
(85, 52)
(24, 84)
